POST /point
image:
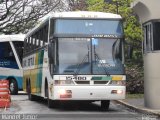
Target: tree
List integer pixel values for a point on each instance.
(96, 5)
(20, 15)
(77, 5)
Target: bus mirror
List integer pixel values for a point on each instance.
(51, 51)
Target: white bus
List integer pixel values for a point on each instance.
(11, 53)
(76, 56)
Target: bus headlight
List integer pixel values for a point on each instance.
(118, 82)
(62, 92)
(65, 93)
(117, 92)
(63, 82)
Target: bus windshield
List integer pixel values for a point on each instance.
(7, 57)
(88, 27)
(89, 56)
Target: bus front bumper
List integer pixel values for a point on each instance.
(88, 93)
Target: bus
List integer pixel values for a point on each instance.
(11, 53)
(75, 56)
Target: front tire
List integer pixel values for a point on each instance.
(50, 103)
(105, 105)
(13, 86)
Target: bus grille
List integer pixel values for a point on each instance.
(100, 82)
(91, 82)
(82, 82)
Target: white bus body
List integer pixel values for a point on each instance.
(69, 57)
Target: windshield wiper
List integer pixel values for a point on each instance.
(83, 61)
(97, 57)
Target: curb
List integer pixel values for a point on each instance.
(139, 109)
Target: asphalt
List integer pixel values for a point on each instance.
(138, 105)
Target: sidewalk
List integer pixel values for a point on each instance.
(138, 105)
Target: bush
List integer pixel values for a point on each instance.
(135, 78)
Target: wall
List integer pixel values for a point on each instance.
(147, 9)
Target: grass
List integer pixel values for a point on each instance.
(134, 96)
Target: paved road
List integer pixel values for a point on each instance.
(22, 108)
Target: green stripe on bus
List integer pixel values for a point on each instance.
(102, 78)
(39, 72)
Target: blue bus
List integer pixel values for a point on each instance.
(11, 52)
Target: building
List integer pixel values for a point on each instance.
(149, 16)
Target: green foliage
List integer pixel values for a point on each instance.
(95, 5)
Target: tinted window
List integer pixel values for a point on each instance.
(7, 58)
(156, 37)
(88, 27)
(89, 56)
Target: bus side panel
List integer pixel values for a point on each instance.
(33, 72)
(12, 73)
(26, 75)
(39, 71)
(29, 71)
(20, 82)
(18, 79)
(33, 79)
(46, 73)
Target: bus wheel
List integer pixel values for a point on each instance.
(13, 86)
(50, 103)
(105, 105)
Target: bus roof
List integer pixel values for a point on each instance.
(85, 14)
(16, 37)
(78, 15)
